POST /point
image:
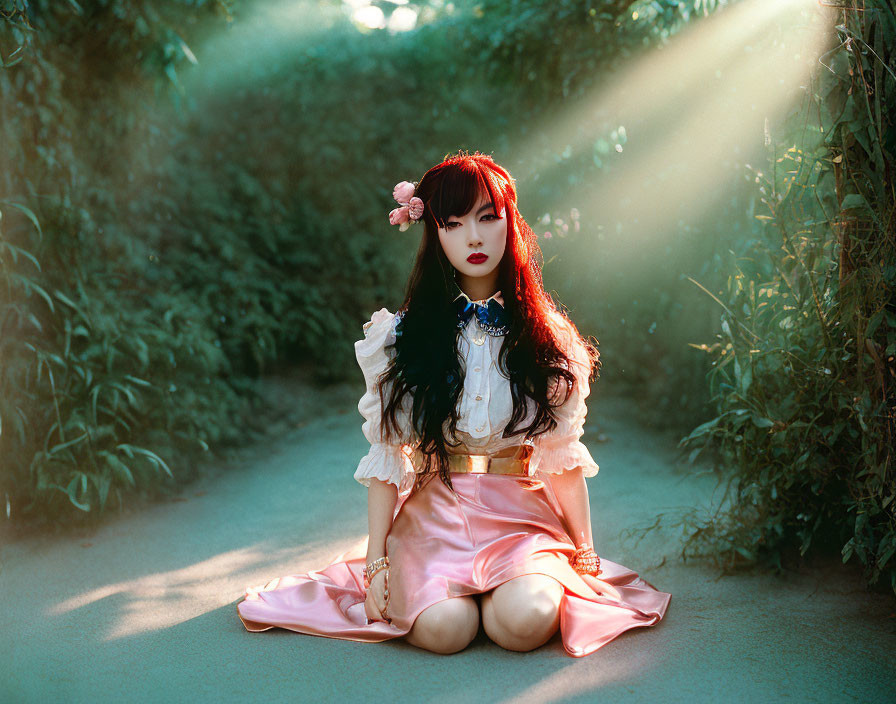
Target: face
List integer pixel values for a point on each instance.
(480, 232)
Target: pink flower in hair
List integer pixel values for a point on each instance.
(411, 206)
(399, 216)
(403, 192)
(415, 208)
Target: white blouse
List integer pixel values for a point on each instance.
(485, 405)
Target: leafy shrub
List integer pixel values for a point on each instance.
(803, 369)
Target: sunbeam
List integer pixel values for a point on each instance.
(686, 110)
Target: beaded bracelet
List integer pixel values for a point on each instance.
(585, 561)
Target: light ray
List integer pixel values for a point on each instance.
(687, 109)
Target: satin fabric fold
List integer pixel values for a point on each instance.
(440, 546)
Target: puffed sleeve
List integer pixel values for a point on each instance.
(389, 462)
(561, 449)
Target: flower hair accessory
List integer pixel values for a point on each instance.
(411, 206)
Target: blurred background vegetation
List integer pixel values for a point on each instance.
(194, 195)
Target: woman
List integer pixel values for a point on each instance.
(475, 405)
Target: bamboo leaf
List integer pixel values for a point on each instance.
(71, 491)
(71, 304)
(140, 382)
(61, 446)
(119, 468)
(153, 457)
(28, 285)
(28, 213)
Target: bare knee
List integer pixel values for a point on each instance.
(523, 613)
(447, 626)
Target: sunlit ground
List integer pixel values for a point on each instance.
(167, 598)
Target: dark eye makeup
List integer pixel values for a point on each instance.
(455, 222)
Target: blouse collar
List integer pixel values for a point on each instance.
(499, 299)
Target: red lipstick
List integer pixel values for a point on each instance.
(477, 258)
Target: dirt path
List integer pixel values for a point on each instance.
(145, 609)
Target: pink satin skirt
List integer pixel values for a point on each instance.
(440, 546)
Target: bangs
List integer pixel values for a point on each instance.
(459, 189)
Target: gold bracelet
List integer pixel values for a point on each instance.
(371, 568)
(585, 561)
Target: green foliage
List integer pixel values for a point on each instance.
(803, 369)
(95, 377)
(109, 385)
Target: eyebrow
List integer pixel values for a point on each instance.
(483, 209)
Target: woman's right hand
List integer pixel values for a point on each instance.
(375, 604)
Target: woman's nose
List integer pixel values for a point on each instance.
(473, 236)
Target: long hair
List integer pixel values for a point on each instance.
(427, 363)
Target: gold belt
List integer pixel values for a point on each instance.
(510, 460)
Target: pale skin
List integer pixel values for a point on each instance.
(522, 613)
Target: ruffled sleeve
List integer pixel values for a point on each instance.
(561, 449)
(389, 462)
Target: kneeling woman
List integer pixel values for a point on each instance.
(475, 405)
